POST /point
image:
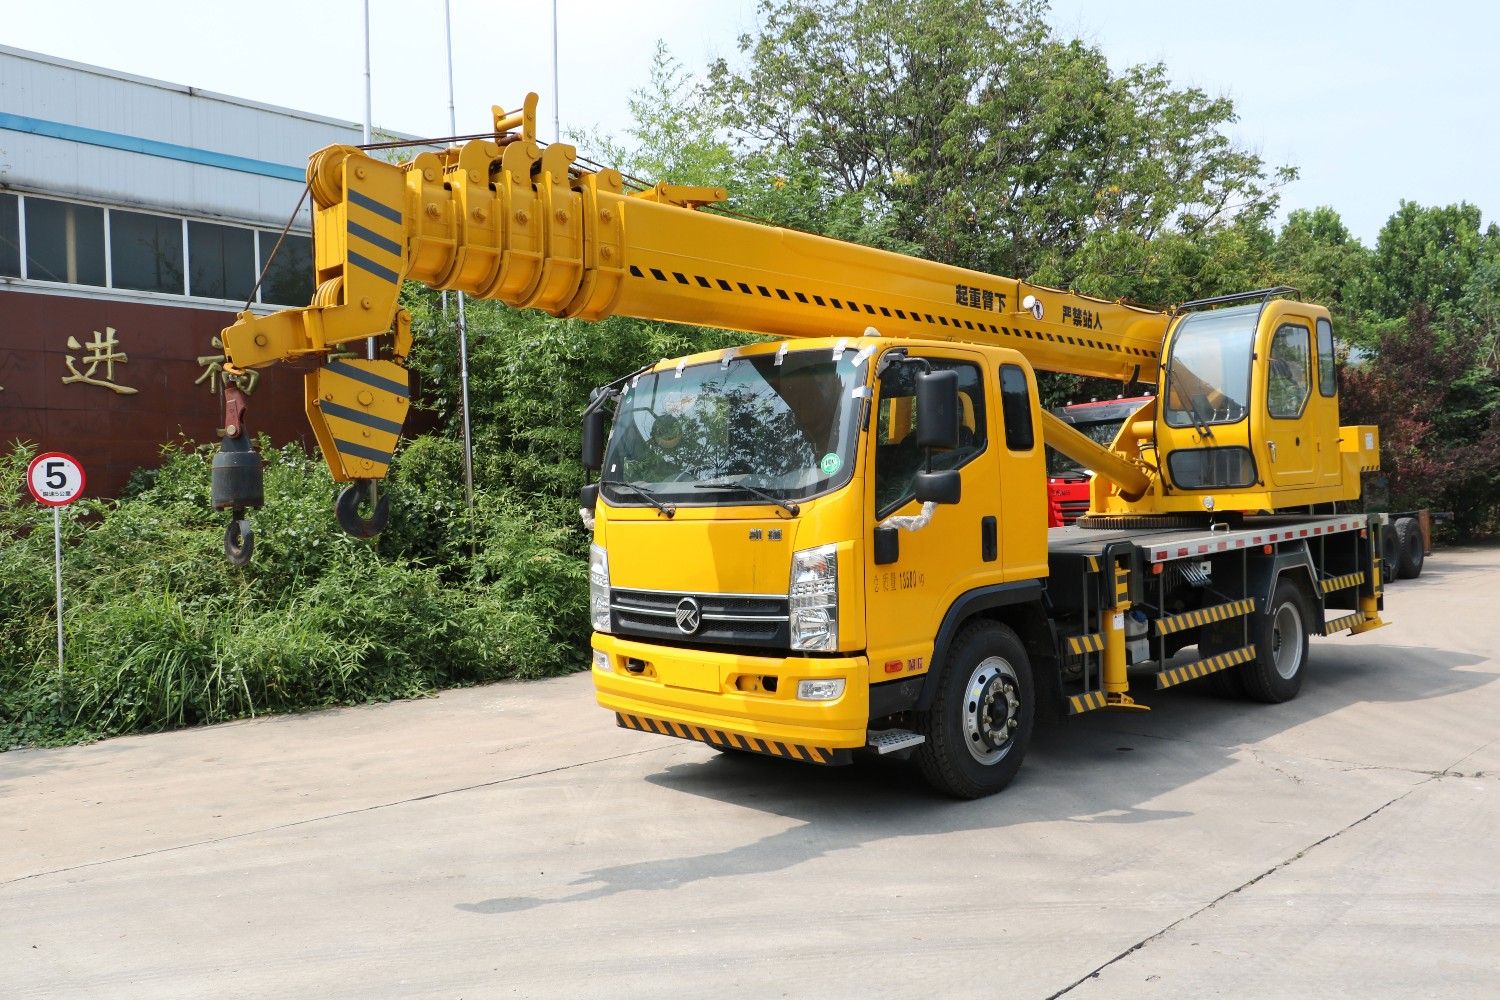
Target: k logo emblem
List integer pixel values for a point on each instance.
(688, 615)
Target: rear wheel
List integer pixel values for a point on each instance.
(981, 719)
(1409, 545)
(1281, 646)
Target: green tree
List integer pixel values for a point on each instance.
(979, 137)
(1426, 255)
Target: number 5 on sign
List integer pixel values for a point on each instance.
(56, 480)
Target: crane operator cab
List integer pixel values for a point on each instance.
(1247, 408)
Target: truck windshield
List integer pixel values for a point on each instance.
(788, 429)
(1208, 374)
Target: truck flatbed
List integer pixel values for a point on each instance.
(1165, 544)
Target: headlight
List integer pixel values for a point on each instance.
(813, 596)
(599, 587)
(820, 690)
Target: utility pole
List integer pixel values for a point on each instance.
(463, 329)
(369, 342)
(556, 97)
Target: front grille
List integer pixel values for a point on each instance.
(726, 619)
(1072, 510)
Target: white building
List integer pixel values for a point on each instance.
(135, 217)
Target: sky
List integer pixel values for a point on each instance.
(1372, 101)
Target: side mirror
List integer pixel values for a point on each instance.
(937, 487)
(588, 497)
(593, 439)
(937, 410)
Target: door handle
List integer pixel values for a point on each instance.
(1272, 446)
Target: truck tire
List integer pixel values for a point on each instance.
(1390, 554)
(1409, 544)
(1281, 646)
(982, 716)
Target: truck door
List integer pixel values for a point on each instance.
(905, 599)
(1290, 423)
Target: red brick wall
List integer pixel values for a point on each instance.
(109, 432)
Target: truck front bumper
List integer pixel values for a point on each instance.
(735, 701)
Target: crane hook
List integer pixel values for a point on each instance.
(239, 539)
(347, 508)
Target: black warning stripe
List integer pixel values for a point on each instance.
(1341, 623)
(1168, 624)
(733, 740)
(1091, 643)
(1202, 668)
(1343, 582)
(762, 291)
(1086, 702)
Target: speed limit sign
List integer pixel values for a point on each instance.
(54, 479)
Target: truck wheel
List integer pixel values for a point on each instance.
(1281, 646)
(1390, 554)
(981, 718)
(1409, 544)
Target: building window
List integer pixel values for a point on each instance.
(64, 242)
(145, 252)
(289, 279)
(10, 236)
(222, 261)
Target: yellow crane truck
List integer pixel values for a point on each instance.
(835, 541)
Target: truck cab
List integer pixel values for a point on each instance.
(771, 566)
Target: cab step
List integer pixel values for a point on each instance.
(884, 741)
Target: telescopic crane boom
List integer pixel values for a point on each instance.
(504, 217)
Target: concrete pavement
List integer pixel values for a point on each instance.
(509, 841)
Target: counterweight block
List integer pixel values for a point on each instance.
(237, 475)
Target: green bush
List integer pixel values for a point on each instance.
(161, 633)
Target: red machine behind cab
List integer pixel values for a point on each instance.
(1067, 481)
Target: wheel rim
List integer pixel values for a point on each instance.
(991, 709)
(1286, 640)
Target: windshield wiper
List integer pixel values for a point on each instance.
(669, 509)
(790, 508)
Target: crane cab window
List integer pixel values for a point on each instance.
(1287, 378)
(1328, 383)
(1208, 372)
(897, 457)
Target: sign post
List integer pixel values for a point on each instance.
(56, 480)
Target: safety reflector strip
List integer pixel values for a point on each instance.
(735, 741)
(1086, 702)
(1204, 616)
(1346, 621)
(1080, 644)
(1202, 668)
(1343, 582)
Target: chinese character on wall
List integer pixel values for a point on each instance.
(102, 350)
